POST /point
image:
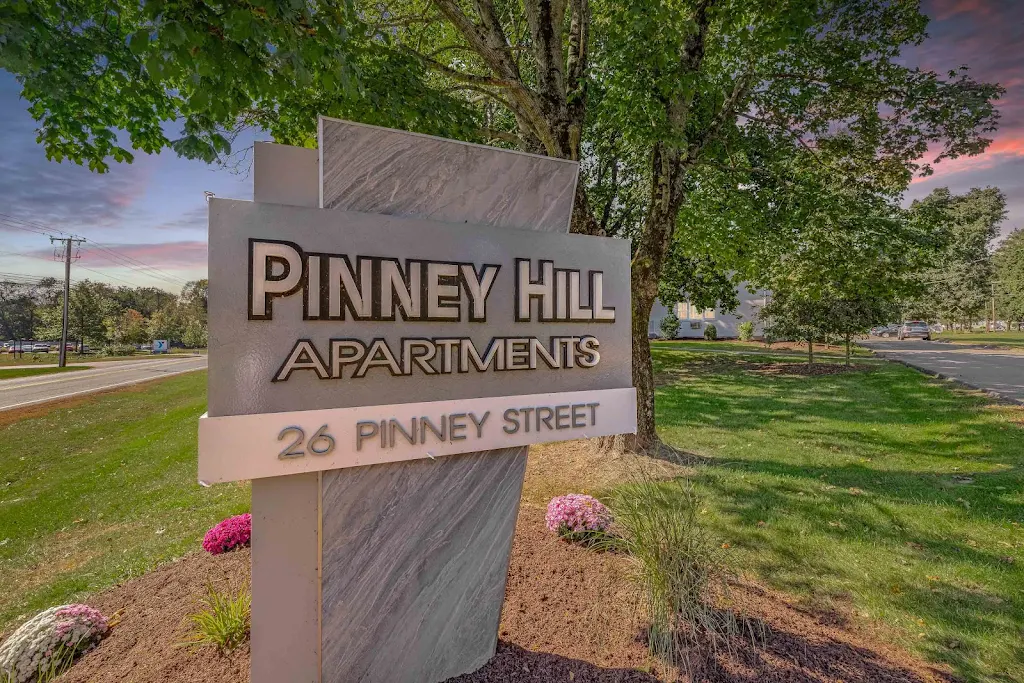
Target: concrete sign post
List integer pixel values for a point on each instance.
(378, 365)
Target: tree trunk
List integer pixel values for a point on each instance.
(810, 351)
(847, 350)
(643, 375)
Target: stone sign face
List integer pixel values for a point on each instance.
(378, 366)
(436, 339)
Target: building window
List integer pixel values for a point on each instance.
(687, 311)
(695, 325)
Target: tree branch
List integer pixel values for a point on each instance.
(476, 79)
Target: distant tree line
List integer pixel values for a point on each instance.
(972, 278)
(100, 314)
(851, 258)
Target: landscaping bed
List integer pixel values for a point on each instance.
(569, 616)
(870, 520)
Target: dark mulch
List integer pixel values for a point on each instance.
(803, 369)
(568, 616)
(146, 644)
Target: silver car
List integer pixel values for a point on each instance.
(915, 329)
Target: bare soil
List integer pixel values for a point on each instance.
(569, 616)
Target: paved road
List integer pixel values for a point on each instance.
(24, 391)
(998, 372)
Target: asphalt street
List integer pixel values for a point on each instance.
(999, 372)
(25, 391)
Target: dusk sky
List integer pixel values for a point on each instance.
(153, 211)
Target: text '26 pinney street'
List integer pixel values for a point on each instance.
(340, 339)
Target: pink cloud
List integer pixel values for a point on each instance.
(1009, 146)
(946, 9)
(170, 256)
(167, 255)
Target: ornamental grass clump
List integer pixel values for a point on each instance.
(46, 645)
(224, 623)
(233, 532)
(678, 568)
(578, 517)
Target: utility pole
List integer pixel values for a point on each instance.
(68, 243)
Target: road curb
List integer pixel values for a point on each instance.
(1009, 400)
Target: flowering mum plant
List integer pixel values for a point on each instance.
(47, 644)
(577, 517)
(228, 534)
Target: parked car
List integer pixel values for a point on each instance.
(40, 347)
(915, 329)
(885, 331)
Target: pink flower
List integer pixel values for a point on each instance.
(576, 513)
(229, 534)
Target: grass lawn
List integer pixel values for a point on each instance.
(1013, 339)
(12, 373)
(103, 490)
(51, 358)
(788, 348)
(880, 493)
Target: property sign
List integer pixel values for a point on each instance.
(340, 339)
(161, 346)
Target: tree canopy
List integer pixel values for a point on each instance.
(961, 283)
(666, 102)
(1009, 274)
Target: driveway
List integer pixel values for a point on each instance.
(25, 391)
(998, 372)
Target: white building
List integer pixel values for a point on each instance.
(692, 320)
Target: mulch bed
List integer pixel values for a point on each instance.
(568, 616)
(802, 369)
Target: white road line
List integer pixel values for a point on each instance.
(85, 374)
(95, 389)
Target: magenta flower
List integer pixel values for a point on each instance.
(229, 534)
(577, 517)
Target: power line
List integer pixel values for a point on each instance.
(14, 226)
(21, 253)
(34, 224)
(131, 263)
(107, 275)
(105, 251)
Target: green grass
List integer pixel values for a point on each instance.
(881, 492)
(7, 359)
(13, 373)
(96, 493)
(754, 346)
(1011, 339)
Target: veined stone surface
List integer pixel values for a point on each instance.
(415, 559)
(379, 170)
(415, 554)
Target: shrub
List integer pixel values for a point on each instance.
(710, 332)
(118, 349)
(577, 517)
(669, 325)
(225, 621)
(196, 335)
(231, 533)
(746, 330)
(45, 646)
(678, 567)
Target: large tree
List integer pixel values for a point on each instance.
(690, 89)
(959, 288)
(1009, 280)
